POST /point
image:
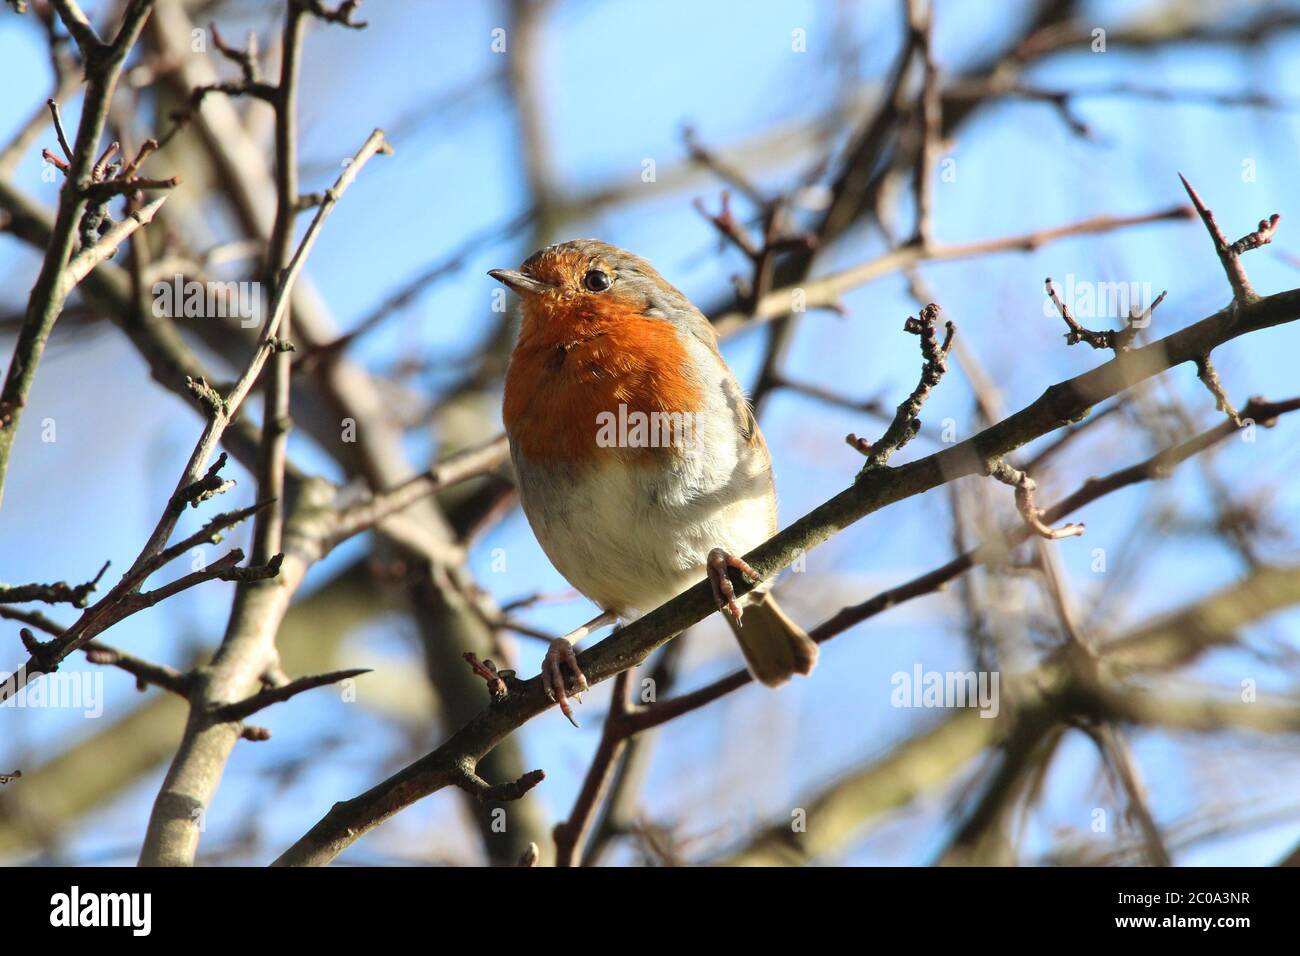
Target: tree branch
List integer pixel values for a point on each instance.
(1060, 405)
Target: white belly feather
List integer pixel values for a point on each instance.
(632, 531)
(631, 536)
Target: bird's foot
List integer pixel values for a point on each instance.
(559, 657)
(723, 592)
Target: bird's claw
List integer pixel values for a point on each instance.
(723, 592)
(559, 656)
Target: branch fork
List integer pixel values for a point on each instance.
(1116, 341)
(467, 779)
(1230, 253)
(1033, 515)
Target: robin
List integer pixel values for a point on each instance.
(641, 468)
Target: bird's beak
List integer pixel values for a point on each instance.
(523, 284)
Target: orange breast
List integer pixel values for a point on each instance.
(564, 374)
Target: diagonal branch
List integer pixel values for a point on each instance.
(1060, 405)
(123, 600)
(103, 66)
(1230, 253)
(278, 695)
(906, 422)
(58, 593)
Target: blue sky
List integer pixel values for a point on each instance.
(618, 83)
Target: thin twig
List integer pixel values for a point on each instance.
(277, 695)
(1209, 375)
(906, 422)
(58, 593)
(570, 833)
(1228, 257)
(145, 672)
(485, 792)
(1025, 487)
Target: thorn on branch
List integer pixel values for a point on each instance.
(473, 784)
(1142, 319)
(101, 167)
(1209, 375)
(54, 161)
(860, 445)
(59, 133)
(1025, 488)
(906, 422)
(1229, 254)
(147, 149)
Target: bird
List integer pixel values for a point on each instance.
(640, 464)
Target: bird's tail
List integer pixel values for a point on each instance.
(775, 647)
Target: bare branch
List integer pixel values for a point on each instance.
(45, 302)
(484, 792)
(1116, 341)
(58, 593)
(1025, 487)
(906, 422)
(469, 464)
(1230, 253)
(145, 672)
(826, 291)
(277, 695)
(1209, 375)
(1060, 405)
(86, 260)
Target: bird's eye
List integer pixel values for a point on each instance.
(595, 281)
